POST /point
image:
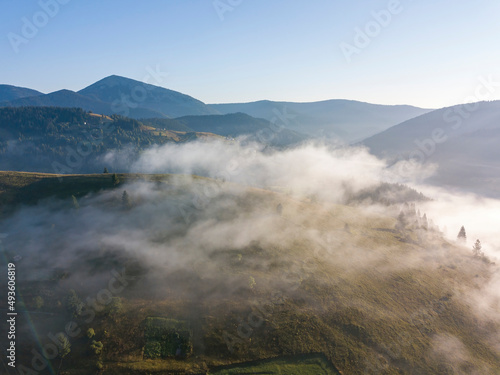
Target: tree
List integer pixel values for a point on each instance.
(476, 249)
(251, 282)
(115, 179)
(64, 347)
(424, 223)
(462, 236)
(126, 199)
(115, 306)
(73, 303)
(99, 365)
(105, 170)
(96, 347)
(401, 221)
(90, 333)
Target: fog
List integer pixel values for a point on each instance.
(187, 234)
(479, 216)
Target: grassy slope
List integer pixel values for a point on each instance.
(378, 316)
(28, 188)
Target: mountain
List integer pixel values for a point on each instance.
(343, 120)
(8, 93)
(61, 98)
(113, 95)
(142, 95)
(236, 124)
(71, 99)
(462, 140)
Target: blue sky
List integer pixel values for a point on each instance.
(430, 53)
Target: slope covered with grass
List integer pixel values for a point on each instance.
(252, 281)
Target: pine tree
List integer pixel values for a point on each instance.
(425, 224)
(462, 236)
(64, 348)
(476, 249)
(115, 179)
(126, 199)
(105, 170)
(73, 303)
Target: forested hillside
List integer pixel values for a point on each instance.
(67, 140)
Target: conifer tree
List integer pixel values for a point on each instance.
(425, 224)
(126, 199)
(476, 249)
(462, 236)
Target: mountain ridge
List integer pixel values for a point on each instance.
(9, 92)
(340, 119)
(460, 141)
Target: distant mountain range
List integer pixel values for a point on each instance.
(462, 140)
(116, 95)
(8, 93)
(342, 120)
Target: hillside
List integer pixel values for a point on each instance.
(460, 140)
(343, 120)
(70, 140)
(71, 99)
(236, 124)
(8, 93)
(237, 281)
(61, 98)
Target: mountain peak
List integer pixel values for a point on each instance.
(115, 80)
(132, 94)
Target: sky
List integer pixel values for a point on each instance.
(427, 53)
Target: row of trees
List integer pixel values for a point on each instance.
(410, 218)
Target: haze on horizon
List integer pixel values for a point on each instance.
(426, 53)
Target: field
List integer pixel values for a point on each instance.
(305, 365)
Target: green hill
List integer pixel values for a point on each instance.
(251, 282)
